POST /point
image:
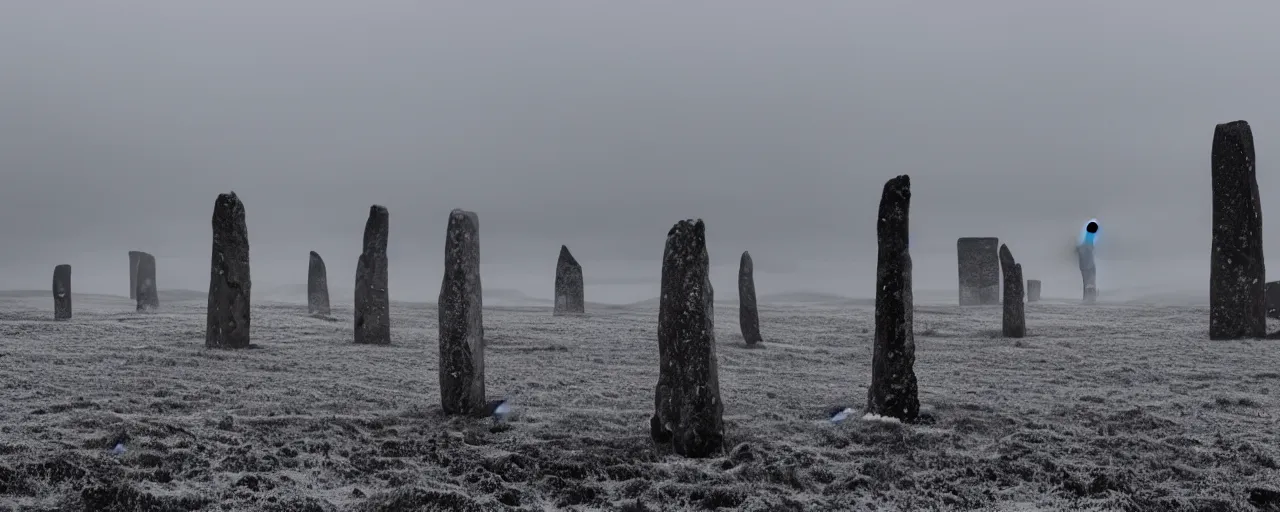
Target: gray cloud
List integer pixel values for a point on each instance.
(598, 125)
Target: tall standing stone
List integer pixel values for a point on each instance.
(979, 270)
(570, 298)
(460, 315)
(688, 411)
(133, 273)
(1237, 276)
(229, 283)
(1014, 321)
(1272, 292)
(317, 286)
(1088, 271)
(1033, 290)
(893, 391)
(748, 314)
(372, 299)
(147, 294)
(62, 292)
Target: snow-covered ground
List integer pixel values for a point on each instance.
(1109, 407)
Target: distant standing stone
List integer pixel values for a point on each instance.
(688, 411)
(1272, 292)
(748, 314)
(317, 286)
(979, 270)
(1088, 272)
(570, 298)
(134, 256)
(147, 295)
(460, 315)
(62, 292)
(1033, 290)
(1237, 275)
(372, 299)
(893, 390)
(229, 283)
(1014, 324)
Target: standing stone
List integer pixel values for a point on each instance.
(1033, 290)
(1272, 291)
(147, 296)
(570, 299)
(893, 391)
(979, 270)
(372, 299)
(461, 322)
(1237, 300)
(688, 411)
(229, 283)
(133, 273)
(748, 315)
(317, 287)
(1088, 271)
(1014, 324)
(62, 292)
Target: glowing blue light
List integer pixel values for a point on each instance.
(1085, 236)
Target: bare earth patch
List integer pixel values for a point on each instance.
(1108, 407)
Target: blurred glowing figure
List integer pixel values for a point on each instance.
(840, 414)
(1084, 249)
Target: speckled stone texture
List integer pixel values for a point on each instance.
(62, 292)
(979, 270)
(748, 313)
(317, 286)
(372, 299)
(1014, 320)
(1237, 274)
(146, 295)
(229, 283)
(570, 296)
(893, 390)
(461, 321)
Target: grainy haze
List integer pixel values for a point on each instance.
(598, 125)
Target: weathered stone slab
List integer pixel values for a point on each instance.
(372, 298)
(317, 286)
(1237, 275)
(1033, 290)
(748, 313)
(62, 292)
(893, 390)
(1014, 322)
(570, 295)
(229, 283)
(146, 295)
(133, 273)
(688, 411)
(1272, 292)
(979, 270)
(461, 320)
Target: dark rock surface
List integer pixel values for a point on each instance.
(133, 273)
(1272, 293)
(893, 390)
(979, 270)
(62, 292)
(317, 286)
(688, 411)
(146, 295)
(1014, 321)
(1237, 275)
(748, 313)
(1033, 290)
(461, 319)
(372, 299)
(570, 296)
(229, 282)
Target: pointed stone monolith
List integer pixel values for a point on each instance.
(979, 270)
(893, 390)
(147, 294)
(317, 286)
(372, 298)
(748, 314)
(1014, 320)
(1033, 290)
(460, 315)
(570, 299)
(62, 292)
(1237, 274)
(133, 273)
(688, 411)
(229, 283)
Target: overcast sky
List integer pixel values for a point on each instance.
(600, 124)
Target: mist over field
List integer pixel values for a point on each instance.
(599, 125)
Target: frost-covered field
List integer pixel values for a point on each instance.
(1111, 407)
